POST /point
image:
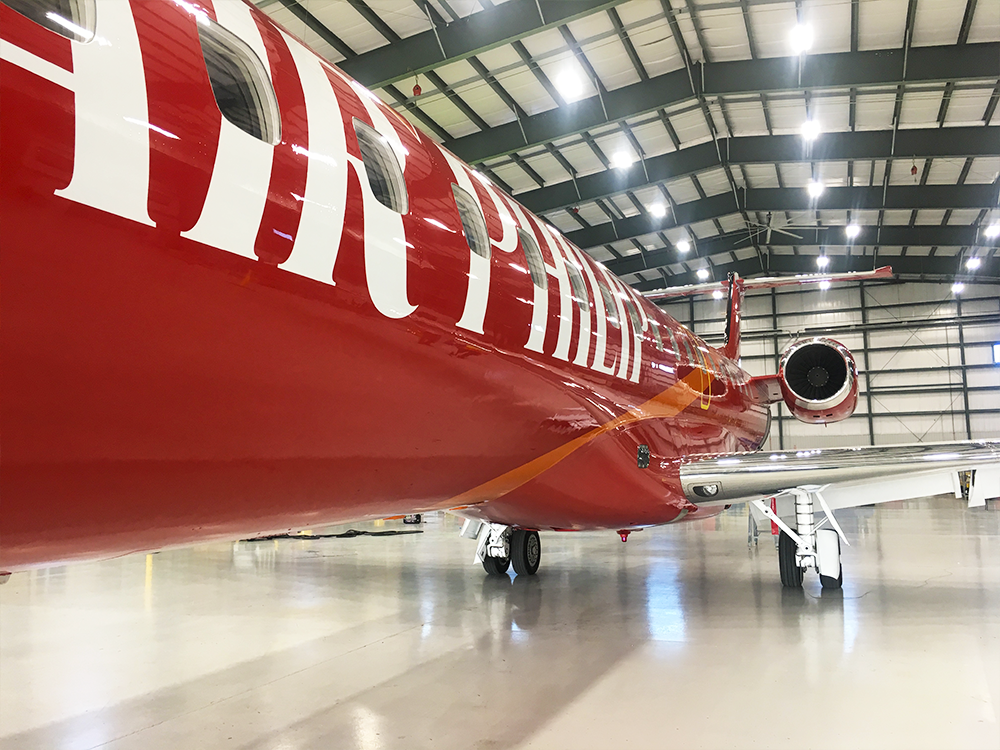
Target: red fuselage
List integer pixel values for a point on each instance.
(208, 336)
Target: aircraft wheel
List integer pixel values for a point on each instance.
(525, 551)
(496, 566)
(791, 573)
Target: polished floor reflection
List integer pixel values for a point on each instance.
(680, 638)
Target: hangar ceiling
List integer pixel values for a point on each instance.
(669, 137)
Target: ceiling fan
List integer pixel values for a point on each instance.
(770, 227)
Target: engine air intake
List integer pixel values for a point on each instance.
(815, 372)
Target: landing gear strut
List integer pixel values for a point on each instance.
(808, 546)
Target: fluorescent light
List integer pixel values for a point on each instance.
(801, 38)
(824, 284)
(717, 294)
(815, 188)
(996, 354)
(958, 287)
(993, 230)
(822, 261)
(810, 130)
(973, 263)
(621, 160)
(658, 210)
(569, 85)
(702, 273)
(852, 231)
(683, 246)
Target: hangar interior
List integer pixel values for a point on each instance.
(676, 141)
(926, 357)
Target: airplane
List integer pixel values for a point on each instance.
(242, 295)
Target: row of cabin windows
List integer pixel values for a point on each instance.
(245, 96)
(243, 91)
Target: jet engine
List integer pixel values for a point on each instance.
(819, 380)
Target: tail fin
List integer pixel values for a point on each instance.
(737, 286)
(731, 347)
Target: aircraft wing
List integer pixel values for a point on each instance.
(848, 477)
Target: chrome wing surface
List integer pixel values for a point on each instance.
(848, 477)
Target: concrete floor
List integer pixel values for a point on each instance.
(679, 639)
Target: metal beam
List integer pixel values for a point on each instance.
(467, 36)
(796, 199)
(908, 266)
(826, 236)
(827, 71)
(872, 144)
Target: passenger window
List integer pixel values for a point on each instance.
(691, 359)
(385, 176)
(633, 314)
(673, 342)
(73, 19)
(655, 328)
(609, 304)
(579, 288)
(536, 264)
(472, 222)
(240, 82)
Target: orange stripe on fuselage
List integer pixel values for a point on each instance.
(665, 405)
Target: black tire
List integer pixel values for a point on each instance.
(496, 566)
(791, 573)
(525, 551)
(832, 583)
(415, 518)
(829, 582)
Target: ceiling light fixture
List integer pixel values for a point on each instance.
(801, 38)
(815, 188)
(717, 294)
(658, 210)
(973, 263)
(621, 160)
(958, 287)
(683, 246)
(822, 261)
(702, 273)
(993, 230)
(852, 231)
(824, 284)
(810, 130)
(569, 85)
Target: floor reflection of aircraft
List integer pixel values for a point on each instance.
(241, 294)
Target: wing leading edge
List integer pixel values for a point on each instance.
(848, 476)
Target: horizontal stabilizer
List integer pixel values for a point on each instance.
(769, 282)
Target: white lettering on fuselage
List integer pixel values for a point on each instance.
(111, 173)
(230, 217)
(321, 224)
(111, 154)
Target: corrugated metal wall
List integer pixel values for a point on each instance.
(925, 357)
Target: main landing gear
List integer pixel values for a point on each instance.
(499, 546)
(809, 545)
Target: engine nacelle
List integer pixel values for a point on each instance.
(819, 380)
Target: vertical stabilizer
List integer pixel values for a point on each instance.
(732, 346)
